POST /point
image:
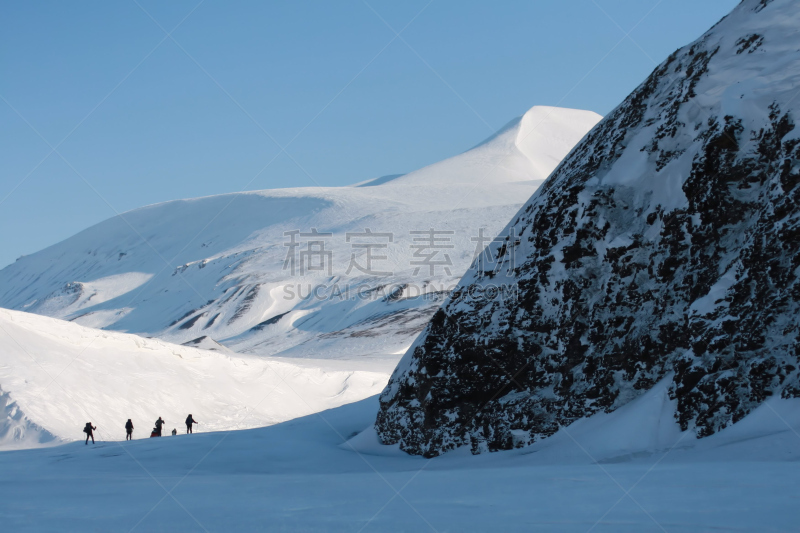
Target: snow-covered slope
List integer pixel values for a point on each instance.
(668, 241)
(56, 376)
(221, 267)
(302, 476)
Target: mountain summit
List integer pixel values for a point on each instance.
(337, 272)
(666, 246)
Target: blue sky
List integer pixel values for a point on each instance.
(139, 117)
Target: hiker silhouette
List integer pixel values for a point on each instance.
(89, 430)
(189, 422)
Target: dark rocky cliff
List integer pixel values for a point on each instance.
(665, 246)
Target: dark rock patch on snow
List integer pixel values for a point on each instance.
(666, 244)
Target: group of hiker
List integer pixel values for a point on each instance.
(89, 428)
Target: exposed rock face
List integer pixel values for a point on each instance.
(666, 245)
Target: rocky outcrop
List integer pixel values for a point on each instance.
(666, 245)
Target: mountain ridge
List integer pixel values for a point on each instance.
(222, 266)
(666, 242)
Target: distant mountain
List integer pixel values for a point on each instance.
(249, 272)
(666, 246)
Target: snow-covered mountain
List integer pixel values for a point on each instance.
(312, 272)
(665, 246)
(55, 376)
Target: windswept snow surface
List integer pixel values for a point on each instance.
(223, 267)
(56, 376)
(304, 475)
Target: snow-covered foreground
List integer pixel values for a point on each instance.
(55, 376)
(324, 470)
(301, 475)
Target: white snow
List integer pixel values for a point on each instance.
(325, 470)
(221, 259)
(57, 375)
(304, 475)
(318, 465)
(80, 295)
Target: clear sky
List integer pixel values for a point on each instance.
(139, 117)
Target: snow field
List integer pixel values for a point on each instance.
(301, 476)
(215, 266)
(56, 376)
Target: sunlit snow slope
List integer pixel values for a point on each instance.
(56, 376)
(218, 270)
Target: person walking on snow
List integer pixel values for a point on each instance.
(159, 423)
(189, 422)
(88, 430)
(129, 430)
